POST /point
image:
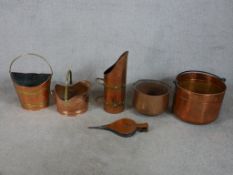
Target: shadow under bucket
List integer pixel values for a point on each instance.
(33, 89)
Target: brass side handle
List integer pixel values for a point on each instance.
(100, 81)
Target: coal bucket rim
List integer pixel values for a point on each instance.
(155, 82)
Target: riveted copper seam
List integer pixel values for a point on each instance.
(35, 92)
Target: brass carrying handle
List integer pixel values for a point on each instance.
(100, 97)
(68, 82)
(100, 81)
(113, 87)
(30, 54)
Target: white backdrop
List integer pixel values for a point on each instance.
(163, 37)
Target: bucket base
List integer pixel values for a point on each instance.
(72, 114)
(195, 122)
(34, 107)
(114, 110)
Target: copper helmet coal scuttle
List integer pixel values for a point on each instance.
(72, 99)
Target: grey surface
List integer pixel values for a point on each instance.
(163, 39)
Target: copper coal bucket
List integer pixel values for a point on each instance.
(72, 99)
(114, 82)
(151, 97)
(198, 96)
(33, 89)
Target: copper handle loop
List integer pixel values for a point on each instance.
(33, 54)
(114, 87)
(97, 99)
(101, 82)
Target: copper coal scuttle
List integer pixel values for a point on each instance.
(33, 89)
(72, 99)
(114, 83)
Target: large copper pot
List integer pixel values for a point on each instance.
(151, 97)
(198, 96)
(33, 89)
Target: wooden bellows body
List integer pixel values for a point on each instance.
(124, 127)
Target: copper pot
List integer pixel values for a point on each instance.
(150, 97)
(198, 96)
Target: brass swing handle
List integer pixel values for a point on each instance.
(68, 82)
(110, 86)
(30, 54)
